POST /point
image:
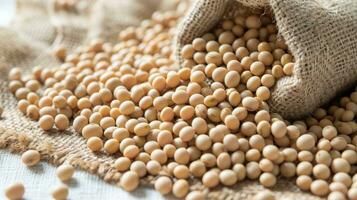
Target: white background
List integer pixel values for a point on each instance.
(41, 179)
(7, 10)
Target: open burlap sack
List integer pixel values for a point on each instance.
(320, 34)
(18, 133)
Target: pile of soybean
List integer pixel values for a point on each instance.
(207, 119)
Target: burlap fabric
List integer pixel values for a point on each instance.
(28, 42)
(320, 34)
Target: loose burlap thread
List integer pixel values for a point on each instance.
(28, 43)
(320, 34)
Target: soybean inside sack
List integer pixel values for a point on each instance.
(322, 36)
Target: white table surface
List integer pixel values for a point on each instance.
(40, 180)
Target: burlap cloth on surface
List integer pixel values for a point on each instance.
(40, 26)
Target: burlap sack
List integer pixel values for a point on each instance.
(72, 24)
(32, 19)
(107, 23)
(321, 35)
(18, 133)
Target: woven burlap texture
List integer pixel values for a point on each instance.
(320, 34)
(28, 42)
